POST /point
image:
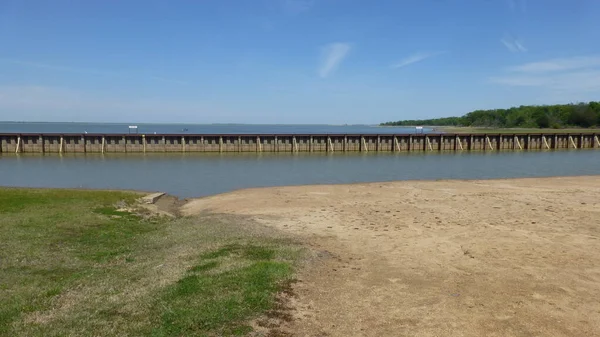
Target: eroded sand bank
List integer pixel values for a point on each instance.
(516, 257)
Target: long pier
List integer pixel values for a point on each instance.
(140, 143)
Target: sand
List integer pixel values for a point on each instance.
(517, 257)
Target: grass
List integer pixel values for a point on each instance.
(214, 294)
(71, 263)
(514, 130)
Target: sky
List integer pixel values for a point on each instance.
(291, 61)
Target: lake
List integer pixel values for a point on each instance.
(196, 175)
(112, 128)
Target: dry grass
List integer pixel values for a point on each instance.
(71, 265)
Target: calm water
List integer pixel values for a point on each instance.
(8, 127)
(194, 175)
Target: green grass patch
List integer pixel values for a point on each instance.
(114, 213)
(204, 301)
(204, 267)
(50, 240)
(72, 263)
(251, 252)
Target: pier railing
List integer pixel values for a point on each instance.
(140, 143)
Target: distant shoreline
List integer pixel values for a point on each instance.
(468, 129)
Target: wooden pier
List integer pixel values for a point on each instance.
(139, 143)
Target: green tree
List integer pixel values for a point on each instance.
(525, 116)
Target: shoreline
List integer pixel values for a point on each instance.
(432, 258)
(379, 183)
(470, 129)
(326, 185)
(510, 256)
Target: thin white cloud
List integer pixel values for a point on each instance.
(509, 45)
(566, 75)
(513, 45)
(414, 58)
(58, 67)
(520, 46)
(524, 6)
(559, 64)
(297, 6)
(89, 71)
(47, 103)
(331, 58)
(515, 5)
(168, 80)
(512, 4)
(572, 82)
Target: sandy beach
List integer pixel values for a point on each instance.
(517, 257)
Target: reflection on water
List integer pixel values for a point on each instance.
(194, 175)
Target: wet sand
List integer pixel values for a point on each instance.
(516, 257)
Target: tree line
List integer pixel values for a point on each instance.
(583, 115)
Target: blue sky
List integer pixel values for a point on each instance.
(291, 61)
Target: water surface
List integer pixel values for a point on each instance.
(195, 175)
(120, 128)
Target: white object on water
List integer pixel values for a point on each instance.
(133, 128)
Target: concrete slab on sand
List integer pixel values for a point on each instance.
(151, 198)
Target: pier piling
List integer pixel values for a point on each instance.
(293, 143)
